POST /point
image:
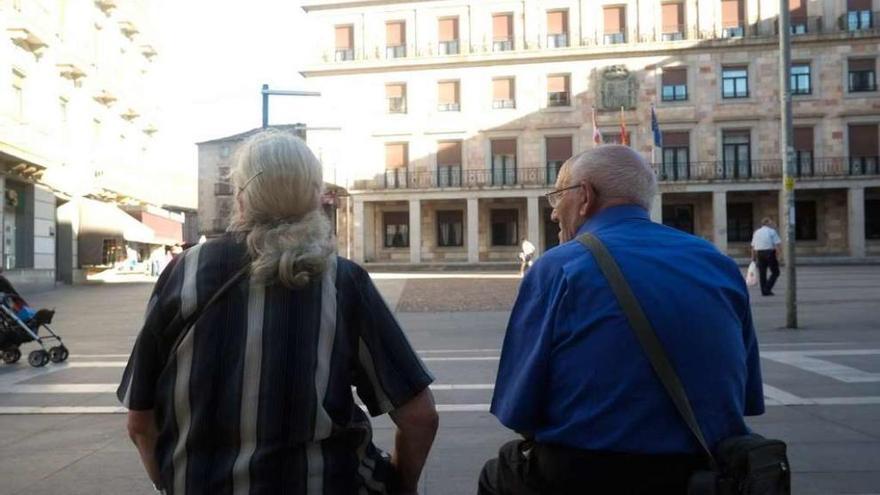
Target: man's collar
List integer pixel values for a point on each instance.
(613, 215)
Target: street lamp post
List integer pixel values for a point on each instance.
(788, 175)
(266, 92)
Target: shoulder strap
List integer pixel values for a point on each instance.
(646, 336)
(197, 314)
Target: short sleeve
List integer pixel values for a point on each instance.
(389, 372)
(137, 390)
(523, 372)
(776, 239)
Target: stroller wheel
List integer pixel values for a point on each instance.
(58, 354)
(38, 358)
(11, 356)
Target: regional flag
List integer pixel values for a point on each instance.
(655, 128)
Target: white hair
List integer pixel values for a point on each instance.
(279, 183)
(618, 173)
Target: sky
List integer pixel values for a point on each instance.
(215, 55)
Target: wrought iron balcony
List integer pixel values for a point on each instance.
(448, 47)
(858, 20)
(344, 54)
(559, 40)
(502, 45)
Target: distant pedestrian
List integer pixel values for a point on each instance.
(526, 255)
(255, 395)
(765, 251)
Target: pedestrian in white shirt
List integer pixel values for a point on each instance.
(526, 256)
(765, 251)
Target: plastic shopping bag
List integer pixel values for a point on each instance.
(752, 275)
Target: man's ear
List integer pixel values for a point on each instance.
(589, 198)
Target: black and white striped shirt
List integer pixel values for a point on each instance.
(257, 397)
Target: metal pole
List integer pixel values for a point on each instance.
(265, 93)
(788, 175)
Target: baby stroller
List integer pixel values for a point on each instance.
(20, 324)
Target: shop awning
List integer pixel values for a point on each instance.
(108, 220)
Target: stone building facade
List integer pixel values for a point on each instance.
(78, 119)
(465, 110)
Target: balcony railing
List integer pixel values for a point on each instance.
(614, 38)
(448, 107)
(693, 172)
(397, 104)
(673, 33)
(560, 99)
(858, 20)
(502, 45)
(715, 171)
(558, 40)
(344, 54)
(503, 104)
(733, 31)
(448, 47)
(398, 51)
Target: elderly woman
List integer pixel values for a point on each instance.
(241, 379)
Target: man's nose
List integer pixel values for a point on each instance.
(554, 217)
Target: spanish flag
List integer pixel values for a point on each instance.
(624, 137)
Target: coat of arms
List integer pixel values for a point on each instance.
(617, 88)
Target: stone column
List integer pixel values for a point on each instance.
(657, 208)
(415, 231)
(856, 224)
(358, 240)
(719, 220)
(473, 230)
(533, 214)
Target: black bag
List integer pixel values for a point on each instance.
(743, 465)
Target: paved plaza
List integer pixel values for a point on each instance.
(63, 432)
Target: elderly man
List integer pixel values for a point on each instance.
(766, 245)
(573, 379)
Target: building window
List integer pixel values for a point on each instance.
(676, 156)
(863, 149)
(615, 25)
(673, 21)
(18, 80)
(872, 218)
(559, 150)
(805, 228)
(395, 39)
(344, 43)
(732, 19)
(679, 217)
(674, 82)
(448, 96)
(450, 225)
(557, 29)
(503, 162)
(558, 91)
(449, 163)
(502, 32)
(396, 161)
(395, 94)
(798, 16)
(447, 35)
(803, 151)
(862, 75)
(503, 93)
(736, 154)
(859, 15)
(396, 225)
(734, 82)
(739, 222)
(800, 79)
(504, 227)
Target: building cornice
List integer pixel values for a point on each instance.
(314, 5)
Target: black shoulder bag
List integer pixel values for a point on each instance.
(743, 465)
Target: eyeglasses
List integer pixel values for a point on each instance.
(554, 197)
(243, 186)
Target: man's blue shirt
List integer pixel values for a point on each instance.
(573, 373)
